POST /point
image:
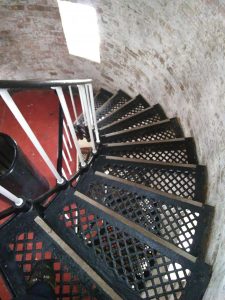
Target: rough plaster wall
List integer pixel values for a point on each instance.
(173, 52)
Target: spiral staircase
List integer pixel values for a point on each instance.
(133, 226)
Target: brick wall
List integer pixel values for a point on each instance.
(170, 51)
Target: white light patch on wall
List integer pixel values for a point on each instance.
(81, 31)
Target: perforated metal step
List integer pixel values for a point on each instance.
(25, 243)
(172, 151)
(144, 117)
(102, 96)
(112, 104)
(181, 222)
(187, 181)
(126, 110)
(137, 262)
(163, 130)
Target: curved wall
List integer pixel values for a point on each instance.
(173, 52)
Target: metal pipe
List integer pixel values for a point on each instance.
(66, 147)
(13, 198)
(89, 105)
(73, 104)
(23, 123)
(70, 123)
(83, 97)
(66, 162)
(93, 112)
(67, 134)
(64, 174)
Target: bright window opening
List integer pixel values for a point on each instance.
(80, 26)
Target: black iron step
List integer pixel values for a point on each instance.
(163, 130)
(180, 150)
(146, 116)
(183, 180)
(124, 253)
(180, 221)
(112, 104)
(128, 109)
(101, 97)
(25, 243)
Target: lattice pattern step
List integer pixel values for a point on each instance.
(172, 151)
(164, 130)
(188, 181)
(101, 97)
(180, 222)
(128, 109)
(25, 244)
(148, 268)
(144, 117)
(112, 104)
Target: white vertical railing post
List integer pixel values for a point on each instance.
(89, 105)
(73, 104)
(66, 147)
(93, 112)
(23, 123)
(86, 111)
(67, 134)
(17, 201)
(69, 123)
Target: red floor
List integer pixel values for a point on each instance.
(40, 109)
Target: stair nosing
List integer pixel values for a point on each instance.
(153, 162)
(146, 143)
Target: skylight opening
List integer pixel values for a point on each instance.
(80, 26)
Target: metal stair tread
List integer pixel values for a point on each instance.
(25, 243)
(109, 105)
(187, 181)
(136, 129)
(146, 116)
(147, 207)
(181, 150)
(101, 97)
(126, 108)
(120, 232)
(163, 130)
